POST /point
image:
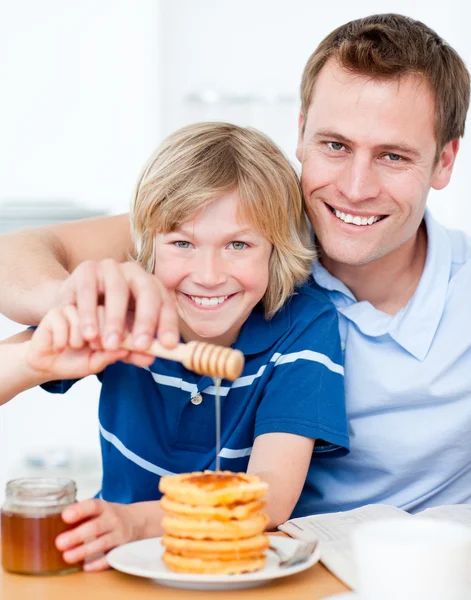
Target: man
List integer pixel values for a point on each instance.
(384, 101)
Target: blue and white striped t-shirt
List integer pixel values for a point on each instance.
(292, 382)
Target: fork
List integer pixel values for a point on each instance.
(301, 553)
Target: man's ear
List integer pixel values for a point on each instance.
(299, 147)
(444, 168)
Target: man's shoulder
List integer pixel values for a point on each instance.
(460, 243)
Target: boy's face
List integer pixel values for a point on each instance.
(217, 267)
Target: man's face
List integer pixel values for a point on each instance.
(367, 155)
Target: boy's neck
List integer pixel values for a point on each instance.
(389, 282)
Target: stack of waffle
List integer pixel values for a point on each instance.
(214, 522)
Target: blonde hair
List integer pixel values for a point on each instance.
(195, 166)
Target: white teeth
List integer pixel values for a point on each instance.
(355, 220)
(203, 301)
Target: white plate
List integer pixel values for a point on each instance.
(143, 558)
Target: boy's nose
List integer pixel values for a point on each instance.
(209, 271)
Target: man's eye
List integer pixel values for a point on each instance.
(238, 245)
(181, 244)
(393, 157)
(335, 146)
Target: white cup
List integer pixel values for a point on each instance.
(413, 559)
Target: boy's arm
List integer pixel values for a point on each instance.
(303, 402)
(15, 374)
(34, 262)
(105, 525)
(55, 351)
(282, 460)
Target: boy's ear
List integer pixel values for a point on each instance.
(444, 168)
(299, 147)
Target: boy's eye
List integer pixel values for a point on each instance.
(238, 245)
(393, 157)
(182, 244)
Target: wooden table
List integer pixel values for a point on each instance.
(312, 584)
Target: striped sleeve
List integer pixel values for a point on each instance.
(305, 392)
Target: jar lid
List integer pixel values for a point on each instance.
(41, 491)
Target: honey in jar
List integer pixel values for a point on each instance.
(31, 521)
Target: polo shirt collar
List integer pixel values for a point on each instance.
(258, 335)
(414, 326)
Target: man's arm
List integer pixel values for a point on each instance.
(35, 261)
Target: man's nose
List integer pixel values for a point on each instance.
(359, 180)
(209, 270)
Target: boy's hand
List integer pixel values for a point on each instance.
(132, 299)
(106, 526)
(58, 349)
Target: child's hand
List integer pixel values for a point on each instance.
(106, 526)
(58, 349)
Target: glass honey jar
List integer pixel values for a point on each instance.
(31, 521)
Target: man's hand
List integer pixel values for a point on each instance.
(132, 299)
(106, 526)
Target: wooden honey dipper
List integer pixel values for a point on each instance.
(203, 358)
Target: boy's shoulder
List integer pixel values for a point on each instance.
(310, 300)
(308, 307)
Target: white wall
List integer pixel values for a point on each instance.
(79, 108)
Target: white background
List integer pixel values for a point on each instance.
(89, 88)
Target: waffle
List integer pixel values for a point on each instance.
(213, 522)
(201, 529)
(213, 488)
(220, 513)
(217, 549)
(185, 564)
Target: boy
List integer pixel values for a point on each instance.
(218, 218)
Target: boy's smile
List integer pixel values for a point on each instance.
(206, 302)
(217, 267)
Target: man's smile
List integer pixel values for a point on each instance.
(355, 218)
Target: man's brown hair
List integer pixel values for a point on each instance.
(391, 46)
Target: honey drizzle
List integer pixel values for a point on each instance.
(217, 399)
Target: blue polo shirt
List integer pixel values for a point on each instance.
(408, 389)
(292, 382)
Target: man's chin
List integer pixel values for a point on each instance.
(331, 257)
